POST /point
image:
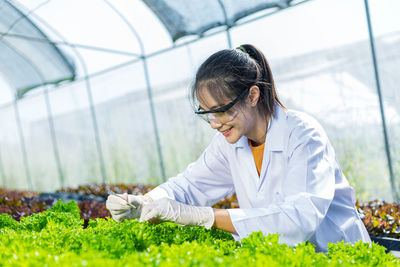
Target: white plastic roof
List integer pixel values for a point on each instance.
(182, 17)
(25, 63)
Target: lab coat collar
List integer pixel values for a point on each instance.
(275, 135)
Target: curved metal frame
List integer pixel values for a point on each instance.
(22, 16)
(51, 126)
(148, 85)
(94, 118)
(90, 97)
(50, 117)
(143, 57)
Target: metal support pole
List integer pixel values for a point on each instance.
(154, 119)
(96, 132)
(228, 34)
(94, 119)
(88, 89)
(50, 119)
(23, 146)
(148, 85)
(53, 137)
(378, 87)
(49, 113)
(51, 127)
(51, 123)
(2, 173)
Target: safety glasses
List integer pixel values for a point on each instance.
(222, 114)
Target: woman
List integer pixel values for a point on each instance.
(278, 161)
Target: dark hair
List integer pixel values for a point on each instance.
(227, 73)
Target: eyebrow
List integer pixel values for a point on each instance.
(211, 108)
(216, 106)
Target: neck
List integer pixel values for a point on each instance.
(259, 131)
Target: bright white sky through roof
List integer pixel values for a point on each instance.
(93, 22)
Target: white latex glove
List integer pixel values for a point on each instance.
(120, 210)
(166, 209)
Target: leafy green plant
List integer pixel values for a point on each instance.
(57, 237)
(66, 214)
(6, 221)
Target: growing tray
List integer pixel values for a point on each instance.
(388, 242)
(65, 197)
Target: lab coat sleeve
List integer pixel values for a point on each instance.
(204, 182)
(308, 187)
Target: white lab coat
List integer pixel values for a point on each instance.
(301, 193)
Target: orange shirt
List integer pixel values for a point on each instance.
(258, 152)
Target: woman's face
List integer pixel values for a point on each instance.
(233, 124)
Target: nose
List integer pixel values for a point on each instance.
(215, 125)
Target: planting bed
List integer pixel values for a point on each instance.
(57, 237)
(21, 204)
(381, 219)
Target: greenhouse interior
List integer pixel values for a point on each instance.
(95, 100)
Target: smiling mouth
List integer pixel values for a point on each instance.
(227, 132)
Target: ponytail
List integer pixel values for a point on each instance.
(265, 80)
(229, 72)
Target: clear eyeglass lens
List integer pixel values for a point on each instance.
(219, 117)
(204, 117)
(211, 117)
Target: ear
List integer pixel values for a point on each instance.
(254, 95)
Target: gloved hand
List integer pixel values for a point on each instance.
(120, 210)
(166, 209)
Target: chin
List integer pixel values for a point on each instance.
(231, 142)
(232, 138)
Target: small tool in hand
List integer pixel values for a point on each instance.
(112, 193)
